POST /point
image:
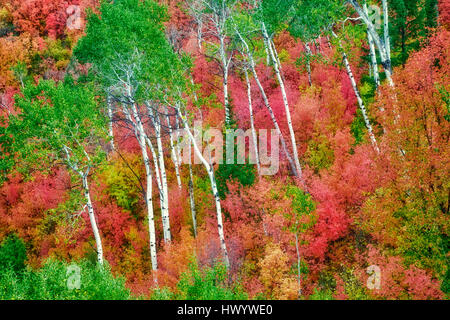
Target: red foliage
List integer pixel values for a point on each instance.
(398, 281)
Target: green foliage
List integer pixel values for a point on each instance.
(12, 254)
(121, 183)
(127, 43)
(59, 51)
(51, 282)
(445, 286)
(445, 96)
(321, 295)
(208, 283)
(358, 127)
(244, 173)
(162, 294)
(303, 208)
(354, 289)
(319, 154)
(309, 19)
(58, 122)
(410, 21)
(20, 72)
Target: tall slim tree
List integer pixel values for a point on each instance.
(61, 123)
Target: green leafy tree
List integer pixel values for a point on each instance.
(60, 123)
(12, 254)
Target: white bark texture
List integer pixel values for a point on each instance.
(285, 101)
(210, 170)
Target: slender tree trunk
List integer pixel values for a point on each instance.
(373, 55)
(360, 100)
(252, 122)
(199, 34)
(361, 103)
(269, 108)
(225, 67)
(191, 194)
(387, 38)
(266, 48)
(382, 48)
(98, 240)
(173, 152)
(162, 169)
(308, 62)
(110, 121)
(285, 101)
(210, 170)
(157, 174)
(140, 136)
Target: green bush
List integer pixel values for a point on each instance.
(208, 283)
(57, 280)
(12, 254)
(321, 295)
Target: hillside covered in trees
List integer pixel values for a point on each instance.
(224, 149)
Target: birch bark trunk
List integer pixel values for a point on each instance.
(140, 136)
(359, 99)
(210, 170)
(267, 104)
(252, 122)
(383, 49)
(225, 67)
(110, 122)
(163, 176)
(387, 38)
(191, 194)
(308, 63)
(285, 101)
(87, 195)
(173, 152)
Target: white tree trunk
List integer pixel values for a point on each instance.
(140, 136)
(225, 66)
(267, 104)
(110, 121)
(308, 63)
(199, 33)
(360, 100)
(210, 170)
(164, 194)
(373, 55)
(252, 121)
(173, 152)
(191, 194)
(285, 101)
(387, 38)
(382, 49)
(98, 240)
(87, 195)
(157, 173)
(162, 168)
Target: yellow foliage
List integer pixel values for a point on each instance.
(274, 274)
